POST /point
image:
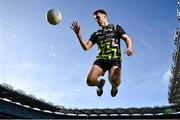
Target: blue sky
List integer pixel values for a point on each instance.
(48, 62)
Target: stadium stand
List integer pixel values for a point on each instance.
(16, 104)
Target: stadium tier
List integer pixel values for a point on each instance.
(174, 86)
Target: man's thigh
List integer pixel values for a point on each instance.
(95, 72)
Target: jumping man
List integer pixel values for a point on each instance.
(109, 54)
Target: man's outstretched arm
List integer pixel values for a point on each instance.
(76, 28)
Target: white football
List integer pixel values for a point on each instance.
(54, 16)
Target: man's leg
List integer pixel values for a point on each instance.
(115, 79)
(92, 78)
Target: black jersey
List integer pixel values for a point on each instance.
(108, 41)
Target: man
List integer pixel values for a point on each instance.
(109, 55)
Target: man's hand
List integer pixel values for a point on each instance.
(75, 27)
(129, 52)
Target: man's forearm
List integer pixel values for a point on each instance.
(129, 43)
(81, 41)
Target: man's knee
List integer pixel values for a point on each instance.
(91, 81)
(115, 82)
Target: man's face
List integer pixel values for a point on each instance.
(100, 18)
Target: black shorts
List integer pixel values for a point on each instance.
(107, 64)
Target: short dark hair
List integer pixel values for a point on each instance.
(100, 11)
